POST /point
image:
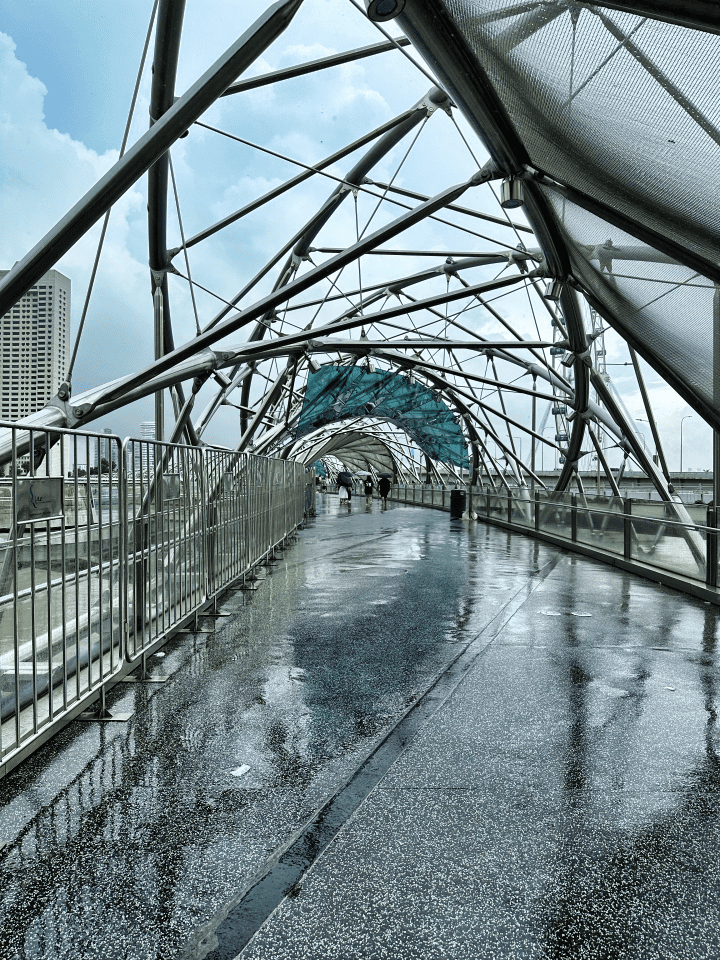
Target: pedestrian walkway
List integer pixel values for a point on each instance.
(417, 738)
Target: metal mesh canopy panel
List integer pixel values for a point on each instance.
(335, 394)
(661, 305)
(624, 108)
(355, 449)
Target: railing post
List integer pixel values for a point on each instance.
(141, 576)
(627, 529)
(509, 507)
(711, 549)
(573, 517)
(537, 510)
(124, 566)
(212, 527)
(202, 469)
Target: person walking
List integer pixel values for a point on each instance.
(369, 486)
(384, 489)
(343, 491)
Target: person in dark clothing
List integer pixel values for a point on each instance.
(384, 489)
(368, 485)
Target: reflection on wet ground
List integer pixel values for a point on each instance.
(557, 797)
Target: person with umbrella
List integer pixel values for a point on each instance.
(344, 486)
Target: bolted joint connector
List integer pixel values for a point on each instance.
(488, 172)
(585, 357)
(64, 390)
(553, 289)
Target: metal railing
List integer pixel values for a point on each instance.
(106, 548)
(641, 535)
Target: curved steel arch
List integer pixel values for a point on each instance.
(268, 369)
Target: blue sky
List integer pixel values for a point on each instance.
(85, 52)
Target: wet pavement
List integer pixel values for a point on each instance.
(418, 738)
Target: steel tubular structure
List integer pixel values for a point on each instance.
(408, 269)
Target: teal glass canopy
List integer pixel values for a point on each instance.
(339, 393)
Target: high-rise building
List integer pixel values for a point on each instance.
(34, 346)
(147, 434)
(104, 450)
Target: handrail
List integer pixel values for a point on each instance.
(696, 576)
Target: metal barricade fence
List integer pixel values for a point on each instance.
(226, 511)
(166, 529)
(61, 583)
(258, 507)
(108, 546)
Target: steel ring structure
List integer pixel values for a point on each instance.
(585, 201)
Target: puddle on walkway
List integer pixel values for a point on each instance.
(123, 838)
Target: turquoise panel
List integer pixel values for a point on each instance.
(338, 393)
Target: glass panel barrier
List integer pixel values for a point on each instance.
(523, 508)
(555, 514)
(679, 548)
(601, 524)
(497, 507)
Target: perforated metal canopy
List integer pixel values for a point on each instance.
(610, 114)
(334, 394)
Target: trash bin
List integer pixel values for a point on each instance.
(457, 504)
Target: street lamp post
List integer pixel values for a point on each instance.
(640, 433)
(687, 417)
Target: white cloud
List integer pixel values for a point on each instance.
(44, 173)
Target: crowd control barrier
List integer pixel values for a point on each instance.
(106, 548)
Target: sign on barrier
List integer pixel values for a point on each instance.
(39, 498)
